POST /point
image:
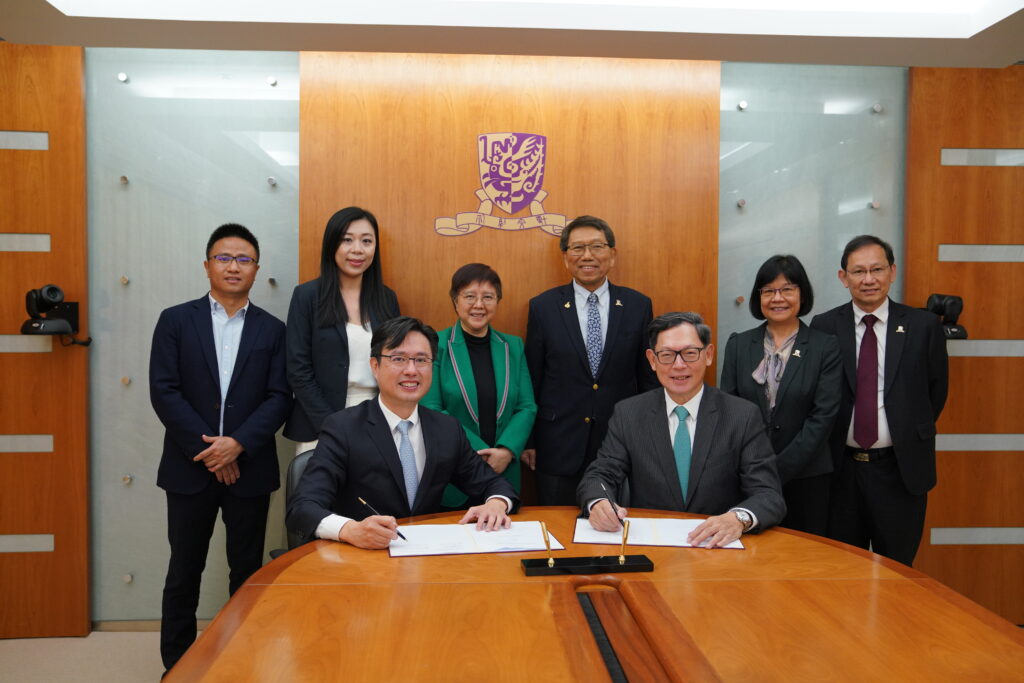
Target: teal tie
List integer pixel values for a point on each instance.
(681, 449)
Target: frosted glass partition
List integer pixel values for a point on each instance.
(179, 142)
(815, 155)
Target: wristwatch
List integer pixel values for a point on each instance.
(745, 519)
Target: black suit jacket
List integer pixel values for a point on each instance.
(570, 400)
(184, 388)
(807, 401)
(916, 383)
(356, 457)
(732, 464)
(318, 361)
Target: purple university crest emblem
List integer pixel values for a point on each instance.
(512, 168)
(511, 175)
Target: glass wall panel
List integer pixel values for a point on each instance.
(179, 142)
(810, 157)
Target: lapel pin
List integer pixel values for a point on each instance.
(899, 329)
(567, 304)
(796, 353)
(618, 302)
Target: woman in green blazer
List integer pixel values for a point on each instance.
(481, 378)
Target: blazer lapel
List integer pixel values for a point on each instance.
(616, 310)
(500, 360)
(847, 338)
(204, 328)
(252, 326)
(567, 311)
(795, 364)
(703, 438)
(433, 447)
(660, 445)
(462, 368)
(895, 339)
(381, 437)
(756, 356)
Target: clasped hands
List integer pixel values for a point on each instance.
(220, 457)
(714, 532)
(377, 531)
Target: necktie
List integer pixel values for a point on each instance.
(865, 406)
(681, 449)
(594, 342)
(408, 459)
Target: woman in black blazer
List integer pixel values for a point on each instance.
(330, 321)
(792, 373)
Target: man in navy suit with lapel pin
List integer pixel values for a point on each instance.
(217, 382)
(585, 344)
(394, 454)
(896, 378)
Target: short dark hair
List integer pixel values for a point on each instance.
(473, 272)
(863, 241)
(586, 222)
(233, 230)
(393, 332)
(789, 267)
(667, 321)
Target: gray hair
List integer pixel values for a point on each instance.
(667, 321)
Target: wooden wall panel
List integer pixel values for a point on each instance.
(44, 593)
(972, 108)
(632, 141)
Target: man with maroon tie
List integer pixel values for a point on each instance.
(896, 378)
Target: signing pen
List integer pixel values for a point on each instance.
(614, 506)
(380, 515)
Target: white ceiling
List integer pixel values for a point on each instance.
(883, 32)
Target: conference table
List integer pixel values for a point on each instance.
(787, 607)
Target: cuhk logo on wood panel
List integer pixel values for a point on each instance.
(511, 178)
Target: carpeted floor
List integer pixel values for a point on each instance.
(100, 657)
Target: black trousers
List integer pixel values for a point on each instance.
(190, 520)
(870, 506)
(553, 489)
(807, 504)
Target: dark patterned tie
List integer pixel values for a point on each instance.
(594, 342)
(865, 407)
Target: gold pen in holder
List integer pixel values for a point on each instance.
(547, 543)
(625, 538)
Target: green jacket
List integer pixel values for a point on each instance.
(516, 407)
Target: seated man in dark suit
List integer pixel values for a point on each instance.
(686, 446)
(393, 453)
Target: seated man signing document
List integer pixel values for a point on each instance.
(393, 453)
(686, 446)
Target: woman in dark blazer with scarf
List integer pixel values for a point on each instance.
(330, 322)
(792, 373)
(481, 378)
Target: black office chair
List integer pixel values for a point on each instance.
(948, 307)
(295, 470)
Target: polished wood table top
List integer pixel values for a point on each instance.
(790, 607)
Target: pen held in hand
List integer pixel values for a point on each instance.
(380, 515)
(615, 507)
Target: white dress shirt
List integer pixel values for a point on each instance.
(227, 335)
(881, 326)
(603, 303)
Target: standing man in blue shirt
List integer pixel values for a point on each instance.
(585, 347)
(217, 382)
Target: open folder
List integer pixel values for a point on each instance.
(461, 539)
(645, 531)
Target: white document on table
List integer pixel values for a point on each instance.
(460, 539)
(645, 531)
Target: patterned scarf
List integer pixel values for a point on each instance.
(769, 371)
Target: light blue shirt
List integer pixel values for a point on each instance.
(227, 335)
(603, 302)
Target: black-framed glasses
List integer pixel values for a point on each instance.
(785, 290)
(668, 356)
(597, 248)
(400, 361)
(225, 259)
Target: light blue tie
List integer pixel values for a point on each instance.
(681, 449)
(594, 342)
(408, 458)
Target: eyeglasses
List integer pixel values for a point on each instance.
(471, 299)
(400, 361)
(786, 291)
(860, 274)
(597, 249)
(668, 356)
(225, 259)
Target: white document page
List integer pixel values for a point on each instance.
(460, 539)
(644, 531)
